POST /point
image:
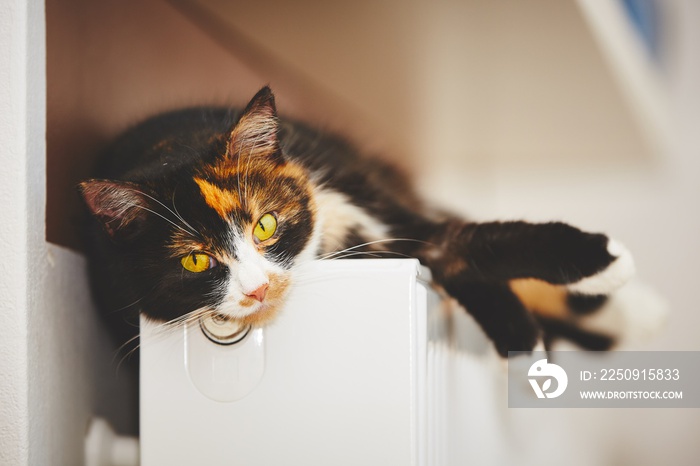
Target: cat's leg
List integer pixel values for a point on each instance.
(630, 315)
(559, 313)
(596, 322)
(499, 312)
(475, 263)
(588, 263)
(554, 329)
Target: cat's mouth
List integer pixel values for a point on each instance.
(263, 314)
(260, 313)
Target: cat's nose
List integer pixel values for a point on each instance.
(259, 294)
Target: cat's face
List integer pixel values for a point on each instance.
(218, 238)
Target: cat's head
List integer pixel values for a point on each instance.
(217, 237)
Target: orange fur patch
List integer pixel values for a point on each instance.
(221, 200)
(540, 297)
(261, 317)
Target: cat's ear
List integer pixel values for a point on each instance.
(120, 207)
(255, 133)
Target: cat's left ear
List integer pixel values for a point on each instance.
(255, 133)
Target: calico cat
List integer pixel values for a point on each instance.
(208, 212)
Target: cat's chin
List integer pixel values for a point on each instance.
(262, 316)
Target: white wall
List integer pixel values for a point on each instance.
(14, 96)
(54, 359)
(650, 203)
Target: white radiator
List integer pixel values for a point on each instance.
(364, 366)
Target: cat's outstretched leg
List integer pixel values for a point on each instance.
(625, 317)
(499, 312)
(560, 311)
(557, 253)
(475, 263)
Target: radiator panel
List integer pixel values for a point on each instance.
(342, 381)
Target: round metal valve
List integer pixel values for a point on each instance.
(223, 331)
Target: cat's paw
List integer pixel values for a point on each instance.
(632, 314)
(619, 269)
(523, 336)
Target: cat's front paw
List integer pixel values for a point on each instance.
(632, 315)
(522, 336)
(611, 276)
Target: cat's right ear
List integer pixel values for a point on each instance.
(120, 207)
(255, 133)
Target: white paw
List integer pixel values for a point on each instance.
(610, 279)
(635, 313)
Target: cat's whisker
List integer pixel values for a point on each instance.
(161, 216)
(123, 308)
(245, 179)
(177, 322)
(123, 345)
(169, 210)
(188, 318)
(173, 323)
(253, 147)
(377, 254)
(238, 180)
(128, 354)
(249, 156)
(303, 279)
(179, 216)
(369, 243)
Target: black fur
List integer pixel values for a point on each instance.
(583, 304)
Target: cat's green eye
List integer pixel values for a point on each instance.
(265, 228)
(198, 262)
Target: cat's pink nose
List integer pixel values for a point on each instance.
(259, 294)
